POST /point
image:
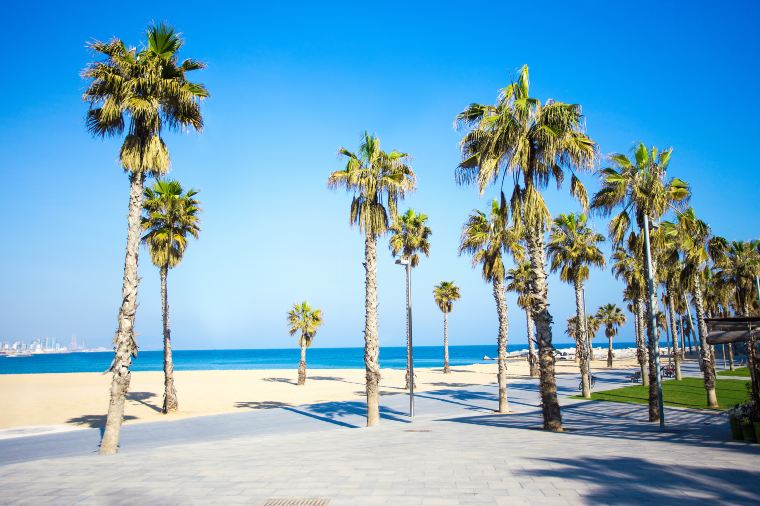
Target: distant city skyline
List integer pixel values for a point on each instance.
(290, 85)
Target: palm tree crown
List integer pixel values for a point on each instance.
(302, 318)
(518, 281)
(171, 215)
(410, 236)
(445, 294)
(143, 91)
(639, 187)
(573, 247)
(611, 317)
(378, 180)
(487, 237)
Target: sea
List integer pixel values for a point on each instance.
(317, 358)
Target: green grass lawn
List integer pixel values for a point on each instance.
(687, 393)
(741, 371)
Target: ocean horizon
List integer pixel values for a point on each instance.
(279, 358)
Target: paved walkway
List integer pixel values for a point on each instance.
(457, 451)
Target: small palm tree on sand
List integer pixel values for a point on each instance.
(305, 321)
(170, 217)
(410, 238)
(378, 180)
(487, 238)
(612, 317)
(445, 294)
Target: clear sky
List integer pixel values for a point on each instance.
(290, 83)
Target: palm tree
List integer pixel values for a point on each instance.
(669, 274)
(487, 238)
(378, 180)
(738, 265)
(518, 280)
(611, 317)
(410, 237)
(592, 327)
(572, 248)
(640, 188)
(171, 215)
(628, 266)
(693, 238)
(143, 92)
(445, 294)
(302, 318)
(534, 143)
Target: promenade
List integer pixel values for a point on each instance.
(456, 452)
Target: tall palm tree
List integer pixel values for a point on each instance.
(410, 237)
(445, 294)
(694, 241)
(572, 248)
(487, 238)
(378, 180)
(639, 187)
(611, 317)
(534, 143)
(669, 276)
(170, 216)
(627, 264)
(143, 92)
(518, 281)
(306, 321)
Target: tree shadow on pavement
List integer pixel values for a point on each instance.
(634, 480)
(95, 421)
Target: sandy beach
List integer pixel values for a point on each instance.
(81, 399)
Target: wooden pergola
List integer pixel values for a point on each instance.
(736, 330)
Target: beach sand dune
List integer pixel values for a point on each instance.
(81, 399)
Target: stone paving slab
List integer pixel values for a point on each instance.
(461, 453)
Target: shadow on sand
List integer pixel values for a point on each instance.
(95, 421)
(142, 397)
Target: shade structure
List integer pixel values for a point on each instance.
(732, 330)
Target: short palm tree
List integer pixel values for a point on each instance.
(445, 294)
(378, 180)
(611, 317)
(170, 217)
(487, 238)
(141, 92)
(518, 281)
(639, 187)
(534, 143)
(572, 248)
(410, 237)
(305, 321)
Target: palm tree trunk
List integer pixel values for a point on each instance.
(674, 333)
(170, 394)
(302, 366)
(543, 320)
(708, 363)
(446, 368)
(609, 351)
(125, 346)
(581, 344)
(501, 309)
(641, 351)
(652, 348)
(371, 338)
(532, 357)
(730, 356)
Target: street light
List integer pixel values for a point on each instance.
(409, 360)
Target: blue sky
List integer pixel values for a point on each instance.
(292, 83)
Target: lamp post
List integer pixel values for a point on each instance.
(409, 359)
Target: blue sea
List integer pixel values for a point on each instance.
(317, 358)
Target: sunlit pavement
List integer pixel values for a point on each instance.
(456, 451)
